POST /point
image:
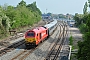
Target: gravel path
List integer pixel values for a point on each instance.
(75, 33)
(77, 36)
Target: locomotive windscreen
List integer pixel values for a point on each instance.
(30, 34)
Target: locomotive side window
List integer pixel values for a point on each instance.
(40, 35)
(30, 34)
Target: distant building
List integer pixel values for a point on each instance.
(46, 16)
(71, 23)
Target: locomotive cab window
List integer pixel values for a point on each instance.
(46, 32)
(31, 34)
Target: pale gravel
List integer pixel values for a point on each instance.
(10, 55)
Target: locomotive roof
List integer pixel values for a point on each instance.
(38, 29)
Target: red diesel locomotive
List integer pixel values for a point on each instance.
(35, 36)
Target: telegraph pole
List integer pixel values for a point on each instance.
(46, 11)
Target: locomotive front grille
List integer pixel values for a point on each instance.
(31, 40)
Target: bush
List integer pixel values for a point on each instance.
(71, 40)
(83, 28)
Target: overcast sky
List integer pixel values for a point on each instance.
(53, 6)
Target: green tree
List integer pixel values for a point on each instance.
(34, 8)
(85, 8)
(4, 23)
(84, 51)
(89, 2)
(78, 19)
(18, 17)
(11, 13)
(22, 3)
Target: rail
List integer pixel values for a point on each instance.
(55, 50)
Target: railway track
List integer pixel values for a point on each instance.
(56, 48)
(26, 52)
(11, 47)
(23, 54)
